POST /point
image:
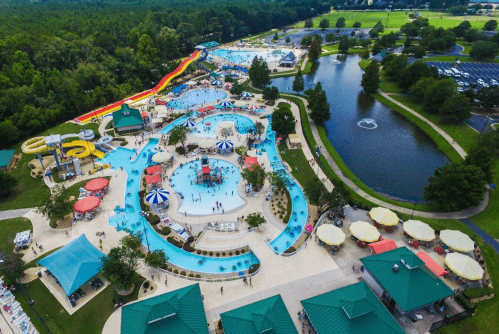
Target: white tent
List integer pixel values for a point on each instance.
(22, 238)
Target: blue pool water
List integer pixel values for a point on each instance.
(173, 124)
(243, 124)
(196, 97)
(199, 199)
(246, 57)
(121, 157)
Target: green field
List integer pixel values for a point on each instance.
(467, 47)
(395, 20)
(9, 229)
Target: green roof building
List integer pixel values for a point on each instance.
(268, 316)
(354, 309)
(6, 158)
(177, 312)
(403, 280)
(127, 119)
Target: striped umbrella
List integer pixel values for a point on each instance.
(246, 94)
(217, 83)
(228, 85)
(157, 196)
(253, 107)
(225, 104)
(161, 157)
(204, 82)
(189, 124)
(225, 144)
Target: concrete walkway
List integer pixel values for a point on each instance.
(8, 214)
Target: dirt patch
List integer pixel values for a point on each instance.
(278, 206)
(36, 167)
(126, 292)
(29, 275)
(151, 288)
(66, 222)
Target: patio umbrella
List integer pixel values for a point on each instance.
(161, 157)
(189, 124)
(330, 234)
(364, 231)
(253, 107)
(384, 216)
(246, 94)
(217, 83)
(225, 144)
(87, 204)
(97, 184)
(204, 82)
(457, 240)
(157, 196)
(225, 125)
(191, 83)
(464, 266)
(419, 230)
(157, 120)
(240, 104)
(206, 143)
(228, 85)
(309, 228)
(225, 104)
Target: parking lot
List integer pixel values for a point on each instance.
(476, 71)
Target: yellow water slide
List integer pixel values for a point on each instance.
(82, 148)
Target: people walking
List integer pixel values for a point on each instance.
(222, 290)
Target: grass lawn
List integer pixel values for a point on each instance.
(487, 219)
(9, 229)
(330, 47)
(467, 46)
(364, 63)
(389, 86)
(464, 135)
(90, 319)
(462, 59)
(308, 67)
(209, 65)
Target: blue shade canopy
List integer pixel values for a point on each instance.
(74, 264)
(157, 196)
(224, 144)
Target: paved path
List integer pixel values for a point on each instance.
(8, 214)
(482, 233)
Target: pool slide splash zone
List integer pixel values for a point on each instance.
(161, 85)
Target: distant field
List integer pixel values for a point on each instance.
(395, 20)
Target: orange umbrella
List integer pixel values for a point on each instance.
(87, 204)
(97, 184)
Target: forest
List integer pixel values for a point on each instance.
(60, 59)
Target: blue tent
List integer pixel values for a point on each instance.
(74, 264)
(178, 89)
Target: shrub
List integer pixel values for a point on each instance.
(198, 251)
(290, 250)
(154, 219)
(218, 254)
(230, 253)
(180, 150)
(165, 230)
(191, 275)
(39, 176)
(460, 299)
(183, 273)
(205, 252)
(243, 251)
(223, 253)
(211, 254)
(175, 271)
(124, 143)
(190, 239)
(53, 224)
(146, 284)
(237, 252)
(253, 268)
(478, 292)
(198, 276)
(31, 166)
(187, 247)
(170, 269)
(39, 172)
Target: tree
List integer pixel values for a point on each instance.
(481, 157)
(315, 51)
(370, 78)
(366, 55)
(11, 267)
(388, 40)
(456, 186)
(283, 121)
(484, 50)
(299, 82)
(276, 36)
(254, 71)
(255, 175)
(340, 23)
(394, 67)
(418, 90)
(57, 205)
(7, 184)
(317, 193)
(120, 266)
(255, 219)
(288, 39)
(412, 73)
(410, 29)
(373, 33)
(306, 40)
(155, 259)
(131, 241)
(309, 23)
(357, 25)
(241, 151)
(490, 25)
(489, 97)
(178, 135)
(8, 132)
(376, 48)
(276, 180)
(324, 24)
(457, 108)
(343, 45)
(270, 93)
(436, 95)
(379, 26)
(236, 88)
(471, 35)
(318, 104)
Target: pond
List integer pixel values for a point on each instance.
(383, 149)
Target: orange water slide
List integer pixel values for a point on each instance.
(161, 85)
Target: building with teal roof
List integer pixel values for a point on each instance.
(6, 157)
(403, 280)
(354, 309)
(127, 119)
(177, 312)
(268, 316)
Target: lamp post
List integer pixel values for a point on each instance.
(414, 208)
(143, 215)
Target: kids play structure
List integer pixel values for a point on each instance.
(198, 54)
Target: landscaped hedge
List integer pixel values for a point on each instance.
(461, 300)
(153, 219)
(166, 230)
(174, 242)
(478, 292)
(290, 250)
(254, 268)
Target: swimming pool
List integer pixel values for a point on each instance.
(121, 157)
(196, 97)
(199, 199)
(246, 57)
(243, 124)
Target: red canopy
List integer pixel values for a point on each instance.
(144, 114)
(153, 170)
(382, 246)
(206, 108)
(97, 184)
(152, 179)
(431, 264)
(206, 169)
(87, 204)
(160, 102)
(250, 161)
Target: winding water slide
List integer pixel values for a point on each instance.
(81, 148)
(161, 85)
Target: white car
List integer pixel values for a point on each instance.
(485, 84)
(460, 83)
(480, 81)
(466, 75)
(460, 89)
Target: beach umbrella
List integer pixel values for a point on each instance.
(384, 216)
(246, 94)
(228, 85)
(204, 82)
(161, 157)
(419, 230)
(240, 104)
(206, 143)
(157, 196)
(225, 104)
(189, 124)
(225, 144)
(87, 204)
(97, 184)
(225, 125)
(253, 107)
(309, 228)
(464, 266)
(191, 83)
(457, 240)
(217, 83)
(330, 234)
(364, 231)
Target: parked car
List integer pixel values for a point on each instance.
(460, 83)
(485, 84)
(473, 85)
(466, 75)
(480, 81)
(466, 84)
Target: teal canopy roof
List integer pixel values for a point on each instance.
(6, 157)
(74, 264)
(127, 116)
